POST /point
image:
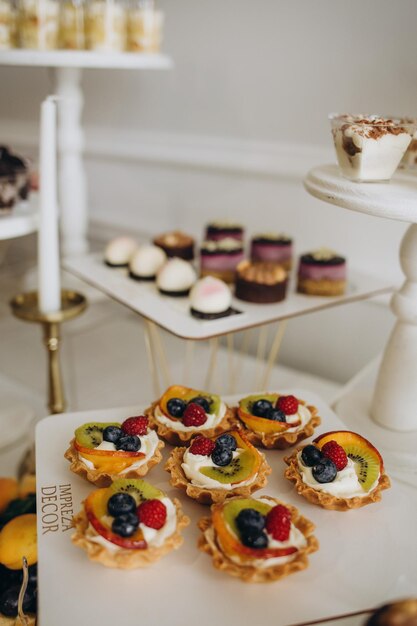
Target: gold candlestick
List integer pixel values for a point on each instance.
(25, 307)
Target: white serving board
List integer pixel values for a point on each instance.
(366, 558)
(173, 313)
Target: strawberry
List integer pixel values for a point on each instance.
(333, 451)
(152, 513)
(278, 522)
(194, 415)
(287, 404)
(135, 425)
(202, 445)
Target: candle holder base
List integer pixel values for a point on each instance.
(25, 307)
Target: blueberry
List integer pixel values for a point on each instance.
(9, 600)
(112, 434)
(128, 443)
(203, 402)
(325, 471)
(176, 407)
(250, 522)
(125, 525)
(276, 415)
(261, 407)
(221, 456)
(226, 441)
(255, 541)
(120, 504)
(311, 455)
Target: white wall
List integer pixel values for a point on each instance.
(232, 129)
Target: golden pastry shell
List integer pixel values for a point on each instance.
(205, 495)
(327, 500)
(251, 573)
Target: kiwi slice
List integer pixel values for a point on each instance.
(139, 489)
(246, 403)
(232, 509)
(213, 400)
(367, 465)
(91, 435)
(240, 468)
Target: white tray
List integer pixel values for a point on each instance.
(367, 556)
(173, 313)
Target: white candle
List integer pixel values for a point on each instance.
(49, 282)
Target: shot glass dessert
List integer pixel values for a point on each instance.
(7, 24)
(369, 148)
(106, 26)
(71, 25)
(144, 27)
(38, 21)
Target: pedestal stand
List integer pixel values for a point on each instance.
(25, 307)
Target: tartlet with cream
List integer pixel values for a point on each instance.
(213, 469)
(182, 412)
(257, 540)
(101, 452)
(274, 420)
(341, 470)
(129, 524)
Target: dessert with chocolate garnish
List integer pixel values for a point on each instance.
(370, 148)
(273, 247)
(261, 282)
(223, 230)
(176, 244)
(322, 273)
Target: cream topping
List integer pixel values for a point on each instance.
(345, 485)
(176, 424)
(149, 443)
(154, 538)
(192, 463)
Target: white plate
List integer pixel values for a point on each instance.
(366, 556)
(173, 313)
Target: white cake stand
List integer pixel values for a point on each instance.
(394, 403)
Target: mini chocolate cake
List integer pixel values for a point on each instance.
(222, 230)
(176, 244)
(272, 247)
(322, 273)
(261, 282)
(220, 258)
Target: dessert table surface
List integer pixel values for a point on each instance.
(22, 220)
(173, 313)
(363, 560)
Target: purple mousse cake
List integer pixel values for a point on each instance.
(322, 273)
(220, 258)
(273, 248)
(216, 231)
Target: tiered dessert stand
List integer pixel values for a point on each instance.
(394, 402)
(67, 67)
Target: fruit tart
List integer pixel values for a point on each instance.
(129, 524)
(258, 540)
(340, 470)
(182, 413)
(273, 420)
(102, 452)
(213, 469)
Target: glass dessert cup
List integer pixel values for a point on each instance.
(369, 148)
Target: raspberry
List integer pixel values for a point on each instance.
(202, 445)
(194, 415)
(278, 522)
(333, 451)
(135, 425)
(152, 513)
(287, 404)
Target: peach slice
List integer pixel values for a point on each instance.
(229, 541)
(97, 515)
(262, 424)
(187, 394)
(108, 460)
